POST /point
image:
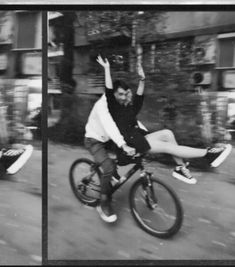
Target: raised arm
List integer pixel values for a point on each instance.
(140, 71)
(105, 64)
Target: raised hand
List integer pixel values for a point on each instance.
(140, 71)
(103, 63)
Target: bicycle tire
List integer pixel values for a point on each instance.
(143, 222)
(88, 182)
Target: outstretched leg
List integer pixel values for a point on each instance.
(164, 142)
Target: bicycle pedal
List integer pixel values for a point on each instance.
(122, 179)
(114, 181)
(154, 205)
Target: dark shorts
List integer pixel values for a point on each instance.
(136, 138)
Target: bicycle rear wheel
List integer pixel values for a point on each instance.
(156, 208)
(84, 177)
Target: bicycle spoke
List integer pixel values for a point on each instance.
(163, 214)
(85, 182)
(156, 208)
(141, 198)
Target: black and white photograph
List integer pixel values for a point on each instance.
(141, 130)
(117, 133)
(20, 137)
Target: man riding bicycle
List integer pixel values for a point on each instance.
(114, 117)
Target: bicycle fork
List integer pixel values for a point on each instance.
(149, 194)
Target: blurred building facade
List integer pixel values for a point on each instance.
(208, 36)
(20, 67)
(55, 55)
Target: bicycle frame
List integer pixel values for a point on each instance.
(139, 165)
(134, 169)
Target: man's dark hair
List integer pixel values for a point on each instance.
(120, 83)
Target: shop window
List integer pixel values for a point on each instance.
(56, 101)
(226, 61)
(226, 58)
(53, 70)
(28, 30)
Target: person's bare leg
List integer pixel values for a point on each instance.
(164, 142)
(167, 136)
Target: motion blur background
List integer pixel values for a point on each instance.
(20, 75)
(20, 124)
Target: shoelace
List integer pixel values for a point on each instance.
(186, 172)
(12, 152)
(215, 149)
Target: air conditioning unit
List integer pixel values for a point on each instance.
(204, 50)
(201, 78)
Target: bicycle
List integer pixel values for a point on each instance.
(154, 204)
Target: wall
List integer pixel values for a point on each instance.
(190, 22)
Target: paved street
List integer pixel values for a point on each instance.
(75, 232)
(20, 215)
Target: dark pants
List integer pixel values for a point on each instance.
(108, 166)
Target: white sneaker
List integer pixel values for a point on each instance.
(216, 155)
(14, 159)
(114, 181)
(182, 173)
(106, 212)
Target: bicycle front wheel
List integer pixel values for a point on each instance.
(84, 177)
(156, 208)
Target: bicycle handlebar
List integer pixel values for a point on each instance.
(137, 155)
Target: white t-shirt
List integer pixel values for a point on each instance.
(101, 126)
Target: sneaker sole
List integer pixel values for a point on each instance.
(188, 181)
(222, 157)
(109, 219)
(17, 165)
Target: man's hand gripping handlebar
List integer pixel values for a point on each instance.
(130, 151)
